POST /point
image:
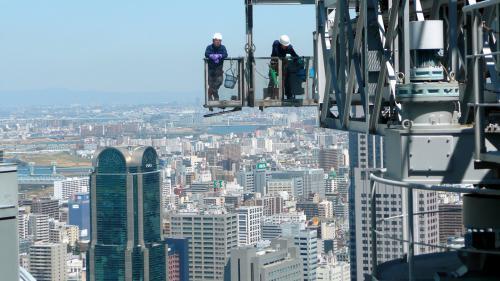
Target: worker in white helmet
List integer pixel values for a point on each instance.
(215, 54)
(281, 48)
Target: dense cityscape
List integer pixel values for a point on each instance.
(219, 195)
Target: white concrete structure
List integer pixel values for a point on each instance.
(331, 270)
(276, 186)
(280, 261)
(211, 238)
(390, 203)
(249, 227)
(307, 242)
(38, 227)
(48, 261)
(64, 189)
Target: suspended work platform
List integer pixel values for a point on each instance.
(277, 82)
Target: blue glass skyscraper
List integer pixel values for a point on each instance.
(126, 240)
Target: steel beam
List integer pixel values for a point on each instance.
(354, 68)
(383, 72)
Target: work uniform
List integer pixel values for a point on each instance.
(215, 70)
(280, 52)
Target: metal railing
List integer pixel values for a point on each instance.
(410, 215)
(224, 86)
(284, 81)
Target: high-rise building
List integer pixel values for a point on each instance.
(46, 206)
(47, 261)
(325, 209)
(246, 180)
(331, 158)
(341, 197)
(307, 242)
(23, 223)
(178, 259)
(1, 156)
(313, 181)
(9, 248)
(260, 180)
(126, 235)
(62, 233)
(79, 214)
(270, 205)
(38, 227)
(65, 189)
(249, 228)
(281, 261)
(450, 221)
(330, 269)
(366, 152)
(278, 186)
(211, 237)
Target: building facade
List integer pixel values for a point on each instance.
(126, 238)
(249, 225)
(211, 237)
(79, 214)
(47, 261)
(65, 189)
(280, 262)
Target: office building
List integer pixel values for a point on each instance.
(450, 221)
(391, 202)
(9, 248)
(47, 261)
(178, 259)
(277, 187)
(38, 227)
(312, 181)
(79, 214)
(307, 242)
(249, 227)
(330, 269)
(281, 261)
(331, 158)
(65, 189)
(46, 206)
(126, 235)
(365, 152)
(271, 205)
(211, 237)
(62, 233)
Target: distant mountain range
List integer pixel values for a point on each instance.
(67, 97)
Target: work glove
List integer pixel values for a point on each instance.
(215, 57)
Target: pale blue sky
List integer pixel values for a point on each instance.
(130, 45)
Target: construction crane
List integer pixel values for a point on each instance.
(424, 75)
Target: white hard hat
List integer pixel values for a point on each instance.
(217, 36)
(284, 40)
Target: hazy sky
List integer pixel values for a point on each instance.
(130, 45)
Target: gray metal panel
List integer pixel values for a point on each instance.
(430, 153)
(459, 169)
(426, 35)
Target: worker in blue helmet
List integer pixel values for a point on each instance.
(281, 48)
(215, 54)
